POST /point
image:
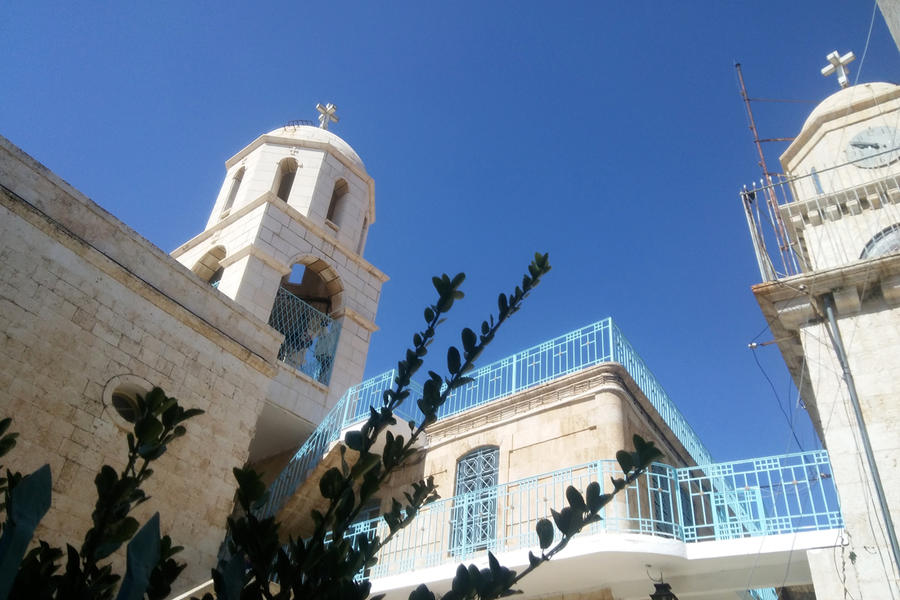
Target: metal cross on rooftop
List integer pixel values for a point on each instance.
(839, 64)
(327, 114)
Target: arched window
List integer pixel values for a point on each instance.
(306, 297)
(886, 241)
(209, 268)
(337, 199)
(362, 237)
(284, 178)
(232, 193)
(475, 508)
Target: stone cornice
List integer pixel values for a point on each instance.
(233, 215)
(862, 109)
(578, 387)
(791, 303)
(293, 213)
(326, 236)
(356, 317)
(254, 251)
(257, 350)
(816, 283)
(331, 149)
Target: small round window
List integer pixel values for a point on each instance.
(126, 405)
(120, 399)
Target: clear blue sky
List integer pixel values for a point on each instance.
(610, 135)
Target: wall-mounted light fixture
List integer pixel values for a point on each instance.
(663, 592)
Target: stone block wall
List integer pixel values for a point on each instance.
(87, 304)
(871, 339)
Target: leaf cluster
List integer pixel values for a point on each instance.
(325, 564)
(7, 443)
(151, 566)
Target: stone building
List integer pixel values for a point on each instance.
(507, 445)
(263, 321)
(831, 294)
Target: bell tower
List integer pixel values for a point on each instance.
(827, 237)
(285, 240)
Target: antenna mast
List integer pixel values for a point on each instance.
(771, 200)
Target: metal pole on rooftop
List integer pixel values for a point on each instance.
(780, 231)
(838, 343)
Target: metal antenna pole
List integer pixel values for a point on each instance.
(780, 231)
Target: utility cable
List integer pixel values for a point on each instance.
(862, 59)
(777, 397)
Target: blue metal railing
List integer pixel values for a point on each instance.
(625, 354)
(781, 494)
(588, 346)
(310, 336)
(529, 368)
(353, 407)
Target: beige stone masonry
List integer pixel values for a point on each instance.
(85, 220)
(73, 320)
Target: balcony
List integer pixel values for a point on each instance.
(737, 517)
(726, 501)
(310, 336)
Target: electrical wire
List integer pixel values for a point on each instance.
(777, 399)
(862, 59)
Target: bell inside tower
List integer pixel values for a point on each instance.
(306, 297)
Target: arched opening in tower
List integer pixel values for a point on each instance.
(209, 267)
(306, 299)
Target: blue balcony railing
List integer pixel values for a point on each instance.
(780, 494)
(310, 337)
(353, 407)
(588, 346)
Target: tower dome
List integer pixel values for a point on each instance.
(850, 99)
(821, 143)
(309, 136)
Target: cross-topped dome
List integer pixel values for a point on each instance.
(851, 99)
(317, 137)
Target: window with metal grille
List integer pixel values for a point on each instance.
(475, 512)
(886, 241)
(662, 499)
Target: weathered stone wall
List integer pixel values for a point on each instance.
(581, 418)
(86, 303)
(871, 339)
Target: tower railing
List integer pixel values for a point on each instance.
(310, 336)
(810, 201)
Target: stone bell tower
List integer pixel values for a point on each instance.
(829, 254)
(285, 240)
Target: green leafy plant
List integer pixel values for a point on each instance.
(325, 565)
(151, 568)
